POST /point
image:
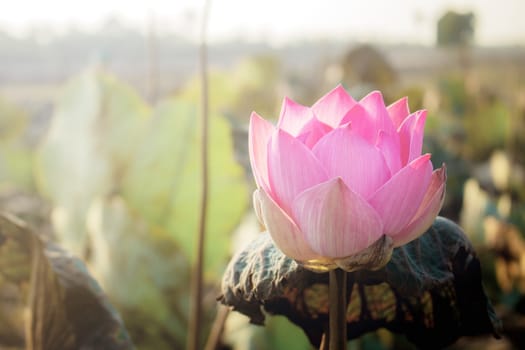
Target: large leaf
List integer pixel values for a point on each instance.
(143, 272)
(87, 149)
(164, 182)
(430, 290)
(66, 307)
(125, 189)
(123, 117)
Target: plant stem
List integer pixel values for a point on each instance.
(194, 327)
(337, 315)
(324, 341)
(214, 338)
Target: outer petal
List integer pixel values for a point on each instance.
(399, 199)
(345, 154)
(427, 212)
(313, 131)
(293, 116)
(292, 168)
(257, 206)
(411, 136)
(285, 233)
(398, 111)
(259, 135)
(336, 221)
(332, 107)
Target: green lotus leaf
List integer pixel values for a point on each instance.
(87, 149)
(164, 181)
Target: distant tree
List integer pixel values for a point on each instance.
(366, 65)
(455, 29)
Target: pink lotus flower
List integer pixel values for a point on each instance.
(343, 182)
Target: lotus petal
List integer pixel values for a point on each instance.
(345, 154)
(375, 105)
(259, 135)
(398, 111)
(313, 131)
(336, 221)
(389, 146)
(362, 123)
(411, 136)
(293, 116)
(372, 258)
(332, 107)
(292, 168)
(283, 229)
(399, 199)
(427, 212)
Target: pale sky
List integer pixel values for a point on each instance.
(498, 22)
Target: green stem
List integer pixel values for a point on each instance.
(337, 316)
(195, 320)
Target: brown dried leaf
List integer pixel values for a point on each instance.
(67, 308)
(430, 290)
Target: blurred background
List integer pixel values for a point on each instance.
(99, 143)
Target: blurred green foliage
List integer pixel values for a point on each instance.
(124, 181)
(15, 148)
(278, 333)
(252, 86)
(487, 127)
(163, 184)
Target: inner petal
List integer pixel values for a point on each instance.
(361, 165)
(374, 104)
(398, 111)
(333, 106)
(313, 131)
(293, 116)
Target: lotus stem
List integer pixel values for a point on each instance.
(337, 312)
(194, 327)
